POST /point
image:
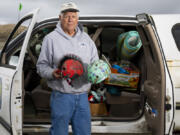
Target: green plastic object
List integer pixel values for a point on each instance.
(98, 71)
(128, 45)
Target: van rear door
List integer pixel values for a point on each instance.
(169, 32)
(158, 88)
(11, 89)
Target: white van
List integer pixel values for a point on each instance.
(152, 108)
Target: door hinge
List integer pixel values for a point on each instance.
(142, 18)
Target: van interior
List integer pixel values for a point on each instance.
(125, 103)
(109, 100)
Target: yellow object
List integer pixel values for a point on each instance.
(125, 80)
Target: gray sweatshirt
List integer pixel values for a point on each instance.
(55, 46)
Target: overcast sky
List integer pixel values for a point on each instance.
(48, 8)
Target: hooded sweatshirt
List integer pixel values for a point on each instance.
(55, 46)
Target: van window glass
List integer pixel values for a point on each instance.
(13, 56)
(176, 35)
(35, 43)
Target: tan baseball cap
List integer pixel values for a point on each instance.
(70, 6)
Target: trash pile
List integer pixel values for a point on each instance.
(122, 74)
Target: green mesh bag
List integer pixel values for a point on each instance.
(98, 71)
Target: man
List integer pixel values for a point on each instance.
(68, 104)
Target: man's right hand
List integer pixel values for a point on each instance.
(57, 74)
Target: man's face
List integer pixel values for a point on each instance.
(69, 21)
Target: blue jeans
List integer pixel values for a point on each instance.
(70, 108)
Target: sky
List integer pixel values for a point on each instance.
(9, 12)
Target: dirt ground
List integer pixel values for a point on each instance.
(5, 31)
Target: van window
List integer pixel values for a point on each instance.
(176, 35)
(15, 40)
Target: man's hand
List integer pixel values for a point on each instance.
(57, 74)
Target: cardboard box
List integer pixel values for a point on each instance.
(98, 109)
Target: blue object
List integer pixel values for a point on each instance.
(70, 107)
(120, 70)
(155, 111)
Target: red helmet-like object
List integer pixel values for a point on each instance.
(71, 67)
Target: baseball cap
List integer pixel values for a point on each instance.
(70, 6)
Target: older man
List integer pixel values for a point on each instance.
(68, 104)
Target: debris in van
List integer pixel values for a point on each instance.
(70, 68)
(97, 100)
(128, 44)
(97, 96)
(122, 79)
(113, 90)
(119, 69)
(127, 65)
(153, 112)
(98, 109)
(106, 59)
(98, 71)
